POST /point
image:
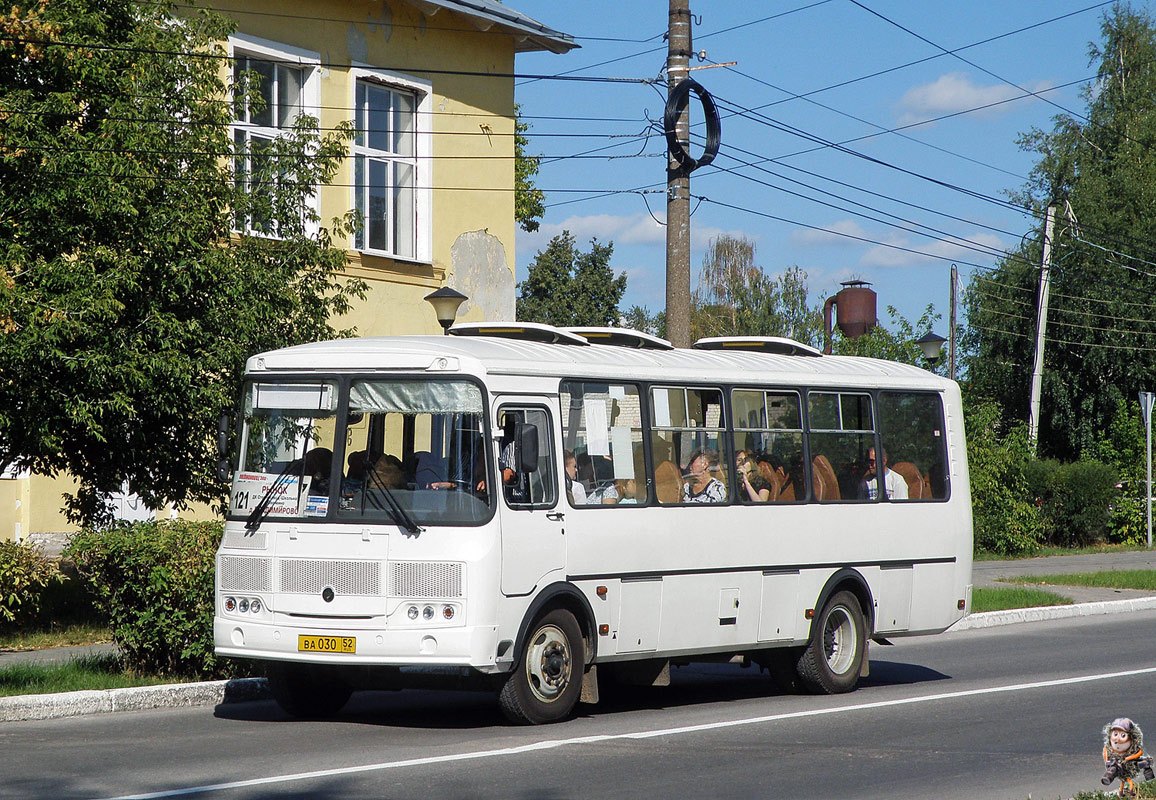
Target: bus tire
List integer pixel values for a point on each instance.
(832, 661)
(546, 683)
(307, 692)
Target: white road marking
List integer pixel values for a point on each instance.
(553, 744)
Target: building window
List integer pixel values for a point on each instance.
(273, 86)
(385, 169)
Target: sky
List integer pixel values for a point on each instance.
(862, 68)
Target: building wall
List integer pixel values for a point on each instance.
(470, 178)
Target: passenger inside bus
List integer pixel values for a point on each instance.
(700, 486)
(755, 487)
(893, 483)
(318, 463)
(575, 491)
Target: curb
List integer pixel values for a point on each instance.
(138, 698)
(990, 619)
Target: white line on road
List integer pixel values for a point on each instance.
(552, 744)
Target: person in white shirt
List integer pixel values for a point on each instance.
(893, 483)
(574, 487)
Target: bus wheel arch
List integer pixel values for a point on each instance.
(546, 682)
(836, 649)
(850, 580)
(565, 596)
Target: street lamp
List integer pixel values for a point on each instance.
(445, 302)
(931, 344)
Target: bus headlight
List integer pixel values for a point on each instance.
(243, 605)
(255, 606)
(427, 613)
(412, 612)
(230, 604)
(448, 612)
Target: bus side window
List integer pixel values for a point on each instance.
(768, 446)
(842, 438)
(602, 430)
(914, 436)
(687, 436)
(526, 458)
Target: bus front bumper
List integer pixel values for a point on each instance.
(474, 647)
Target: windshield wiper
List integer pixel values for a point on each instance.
(400, 515)
(259, 512)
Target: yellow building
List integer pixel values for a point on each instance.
(429, 84)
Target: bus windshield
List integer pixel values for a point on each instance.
(409, 452)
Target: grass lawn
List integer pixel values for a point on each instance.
(93, 672)
(55, 636)
(1113, 579)
(985, 555)
(1002, 599)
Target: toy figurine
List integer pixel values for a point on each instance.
(1124, 756)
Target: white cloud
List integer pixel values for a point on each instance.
(956, 92)
(635, 229)
(808, 237)
(880, 256)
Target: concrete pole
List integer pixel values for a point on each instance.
(1146, 403)
(1041, 327)
(678, 186)
(951, 333)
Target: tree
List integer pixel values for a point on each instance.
(529, 200)
(1103, 288)
(735, 297)
(565, 286)
(127, 303)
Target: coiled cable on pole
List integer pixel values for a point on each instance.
(676, 103)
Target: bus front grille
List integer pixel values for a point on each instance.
(311, 576)
(425, 579)
(241, 574)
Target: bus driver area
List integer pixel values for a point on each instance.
(532, 510)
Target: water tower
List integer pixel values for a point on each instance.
(855, 311)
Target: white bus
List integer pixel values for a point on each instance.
(529, 509)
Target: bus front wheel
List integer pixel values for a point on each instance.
(545, 685)
(833, 659)
(306, 691)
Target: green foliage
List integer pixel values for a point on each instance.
(1004, 518)
(1075, 500)
(25, 574)
(153, 582)
(127, 305)
(529, 200)
(1140, 579)
(736, 297)
(79, 674)
(1098, 319)
(565, 286)
(1124, 446)
(640, 319)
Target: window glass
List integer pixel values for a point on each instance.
(914, 443)
(688, 445)
(526, 458)
(842, 441)
(417, 445)
(768, 446)
(286, 454)
(602, 437)
(268, 98)
(385, 169)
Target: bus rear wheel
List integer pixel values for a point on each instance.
(833, 660)
(306, 691)
(547, 682)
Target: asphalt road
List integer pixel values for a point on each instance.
(999, 713)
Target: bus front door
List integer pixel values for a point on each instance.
(531, 518)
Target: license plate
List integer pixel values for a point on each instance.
(327, 644)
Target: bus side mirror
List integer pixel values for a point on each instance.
(525, 447)
(224, 425)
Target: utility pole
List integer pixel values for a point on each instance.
(678, 185)
(1041, 326)
(951, 333)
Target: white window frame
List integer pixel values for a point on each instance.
(241, 45)
(422, 90)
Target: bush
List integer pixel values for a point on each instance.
(1004, 518)
(153, 583)
(1075, 500)
(25, 573)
